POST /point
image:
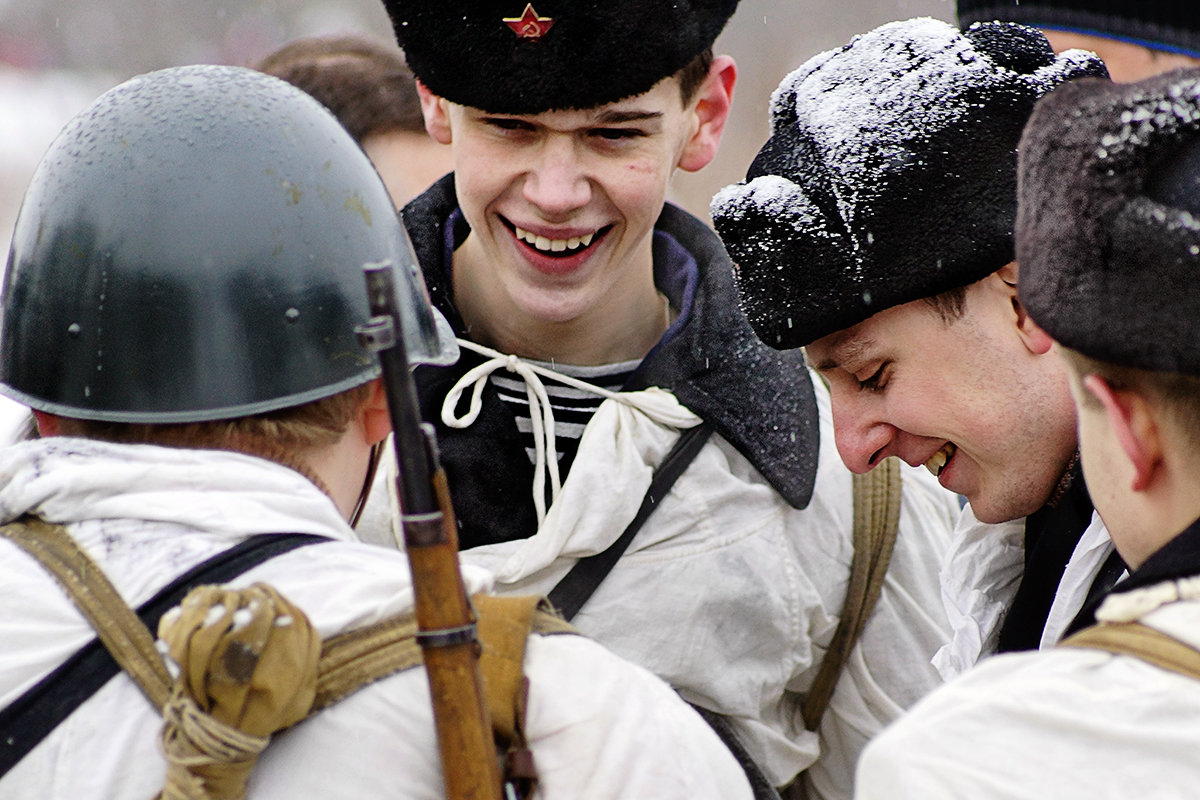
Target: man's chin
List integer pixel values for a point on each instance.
(984, 514)
(992, 510)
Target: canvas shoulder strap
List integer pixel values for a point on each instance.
(1141, 641)
(32, 716)
(348, 661)
(876, 521)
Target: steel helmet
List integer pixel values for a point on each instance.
(191, 248)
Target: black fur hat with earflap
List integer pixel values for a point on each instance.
(1108, 229)
(1168, 25)
(889, 175)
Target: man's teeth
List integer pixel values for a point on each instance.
(937, 462)
(553, 245)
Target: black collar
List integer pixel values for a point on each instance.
(1178, 558)
(1051, 534)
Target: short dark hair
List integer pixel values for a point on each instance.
(692, 76)
(364, 82)
(950, 305)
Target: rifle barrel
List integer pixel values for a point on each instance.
(446, 620)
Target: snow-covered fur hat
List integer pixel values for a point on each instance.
(890, 173)
(1108, 229)
(1169, 25)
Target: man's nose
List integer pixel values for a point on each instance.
(558, 183)
(862, 439)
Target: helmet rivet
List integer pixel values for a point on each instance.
(73, 330)
(292, 314)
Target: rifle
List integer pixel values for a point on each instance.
(446, 621)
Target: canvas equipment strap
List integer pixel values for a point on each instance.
(347, 661)
(876, 522)
(1141, 641)
(31, 717)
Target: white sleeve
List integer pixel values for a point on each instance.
(601, 727)
(1067, 724)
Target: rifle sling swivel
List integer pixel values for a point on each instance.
(448, 637)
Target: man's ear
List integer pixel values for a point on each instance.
(433, 108)
(1036, 340)
(1134, 426)
(711, 106)
(376, 421)
(47, 424)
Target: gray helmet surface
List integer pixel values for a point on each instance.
(191, 248)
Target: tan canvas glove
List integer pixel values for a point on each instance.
(247, 667)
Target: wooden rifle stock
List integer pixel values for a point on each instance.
(445, 618)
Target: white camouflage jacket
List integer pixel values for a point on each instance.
(729, 593)
(599, 726)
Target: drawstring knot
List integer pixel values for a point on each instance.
(541, 415)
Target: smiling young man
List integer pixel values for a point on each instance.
(1108, 235)
(561, 205)
(874, 229)
(572, 284)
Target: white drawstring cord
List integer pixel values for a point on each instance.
(540, 412)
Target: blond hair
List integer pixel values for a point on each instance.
(279, 435)
(1177, 393)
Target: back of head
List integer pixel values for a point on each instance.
(1167, 25)
(364, 82)
(889, 175)
(191, 248)
(514, 57)
(1108, 230)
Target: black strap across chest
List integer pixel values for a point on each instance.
(33, 715)
(570, 593)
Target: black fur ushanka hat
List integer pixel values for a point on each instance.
(1108, 228)
(889, 176)
(1170, 25)
(520, 57)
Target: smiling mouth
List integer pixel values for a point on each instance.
(556, 248)
(937, 462)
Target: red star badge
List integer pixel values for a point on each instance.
(529, 25)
